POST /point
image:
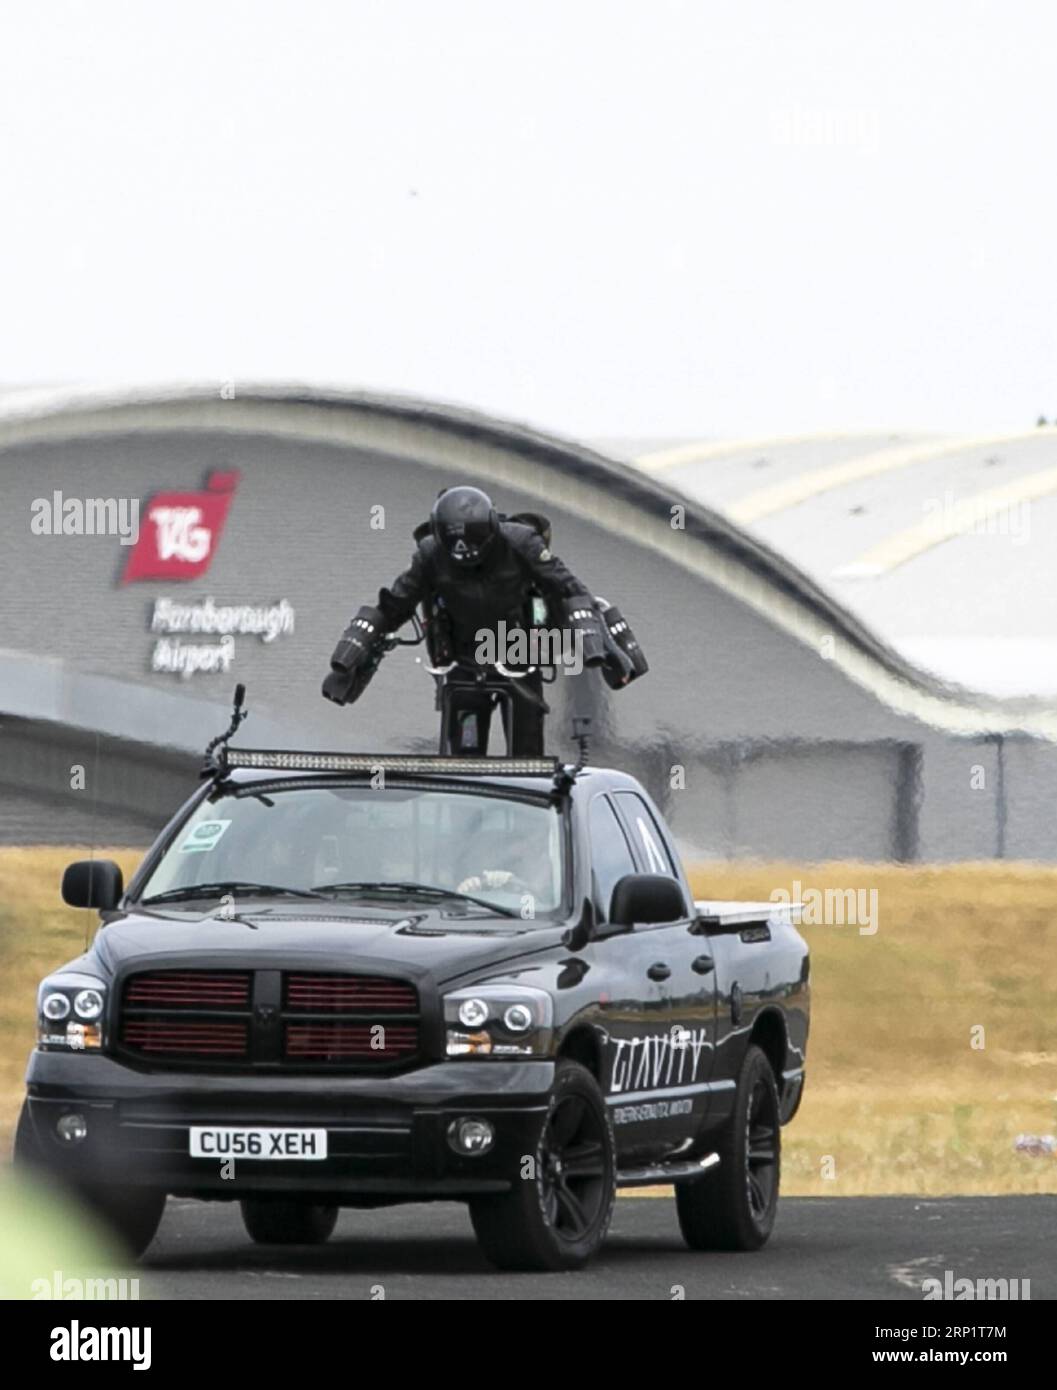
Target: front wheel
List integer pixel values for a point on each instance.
(133, 1214)
(557, 1214)
(281, 1222)
(734, 1207)
(26, 1153)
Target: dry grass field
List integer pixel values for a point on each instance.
(898, 1098)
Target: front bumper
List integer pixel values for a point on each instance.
(386, 1136)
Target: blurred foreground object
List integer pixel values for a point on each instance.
(52, 1248)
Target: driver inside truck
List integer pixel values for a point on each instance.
(523, 865)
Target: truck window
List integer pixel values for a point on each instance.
(326, 836)
(646, 834)
(611, 856)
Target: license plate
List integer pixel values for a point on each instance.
(225, 1141)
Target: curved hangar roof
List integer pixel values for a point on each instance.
(734, 542)
(943, 546)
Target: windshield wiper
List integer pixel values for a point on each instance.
(367, 889)
(234, 885)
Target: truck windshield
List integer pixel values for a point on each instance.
(357, 842)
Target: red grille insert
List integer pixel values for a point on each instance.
(175, 1038)
(196, 989)
(349, 994)
(324, 1042)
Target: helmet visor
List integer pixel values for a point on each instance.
(466, 541)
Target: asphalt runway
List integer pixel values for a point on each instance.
(851, 1248)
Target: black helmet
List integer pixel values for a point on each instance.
(464, 522)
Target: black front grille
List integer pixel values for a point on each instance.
(267, 1019)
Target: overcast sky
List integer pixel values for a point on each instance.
(649, 219)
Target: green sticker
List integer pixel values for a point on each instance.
(204, 836)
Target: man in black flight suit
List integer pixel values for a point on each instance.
(472, 570)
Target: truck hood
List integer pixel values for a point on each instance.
(321, 936)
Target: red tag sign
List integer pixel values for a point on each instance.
(181, 531)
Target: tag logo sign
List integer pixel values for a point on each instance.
(182, 531)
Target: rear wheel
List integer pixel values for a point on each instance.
(283, 1222)
(734, 1207)
(557, 1214)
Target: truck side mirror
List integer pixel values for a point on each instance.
(92, 883)
(646, 898)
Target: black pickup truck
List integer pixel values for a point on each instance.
(352, 980)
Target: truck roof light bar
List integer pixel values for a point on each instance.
(408, 763)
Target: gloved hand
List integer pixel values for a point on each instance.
(491, 878)
(630, 660)
(355, 658)
(617, 669)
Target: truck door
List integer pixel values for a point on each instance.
(691, 978)
(635, 1010)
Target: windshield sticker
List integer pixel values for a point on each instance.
(205, 836)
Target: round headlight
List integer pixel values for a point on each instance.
(55, 1006)
(518, 1017)
(473, 1012)
(88, 1003)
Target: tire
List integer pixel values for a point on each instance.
(558, 1216)
(132, 1214)
(284, 1222)
(733, 1208)
(26, 1152)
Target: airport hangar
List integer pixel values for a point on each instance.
(799, 734)
(945, 546)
